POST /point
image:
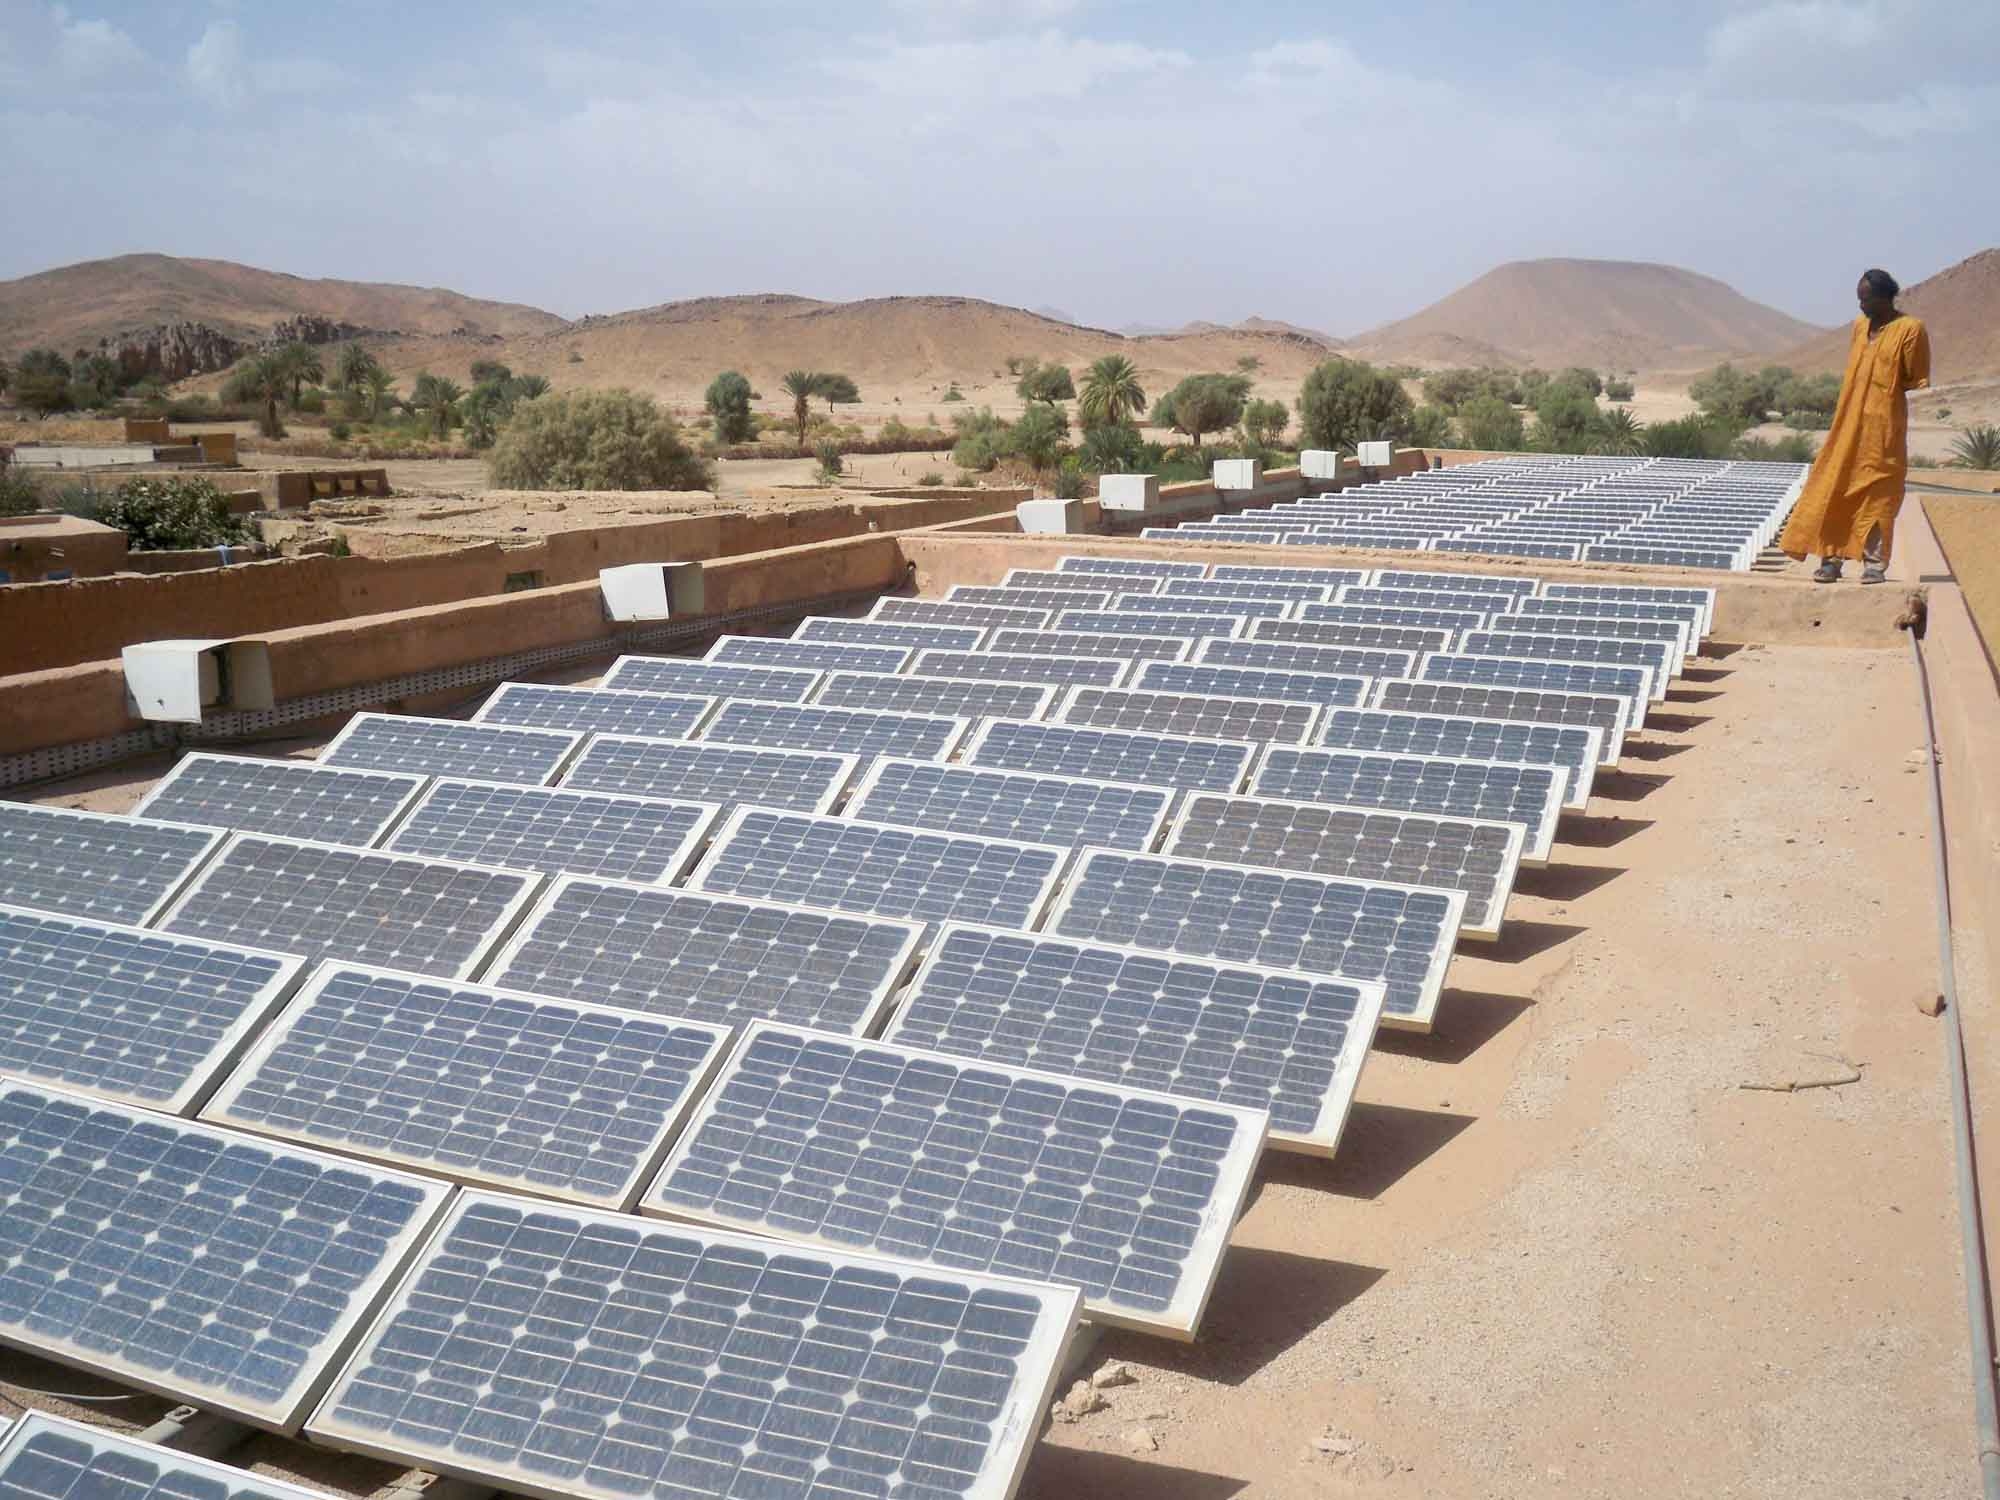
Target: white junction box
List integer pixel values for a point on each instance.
(1128, 491)
(1238, 473)
(176, 682)
(1319, 463)
(1375, 455)
(652, 591)
(1050, 517)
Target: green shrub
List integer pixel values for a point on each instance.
(1346, 401)
(1808, 421)
(1111, 449)
(1584, 379)
(830, 465)
(1618, 390)
(728, 406)
(1431, 427)
(1978, 447)
(172, 512)
(1040, 435)
(595, 440)
(340, 432)
(1203, 403)
(19, 495)
(1069, 479)
(1264, 423)
(1690, 437)
(312, 401)
(953, 394)
(1491, 425)
(930, 479)
(41, 382)
(1792, 448)
(1048, 383)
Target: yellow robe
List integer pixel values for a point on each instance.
(1856, 483)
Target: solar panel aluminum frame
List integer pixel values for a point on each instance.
(685, 853)
(1047, 886)
(857, 804)
(412, 791)
(493, 699)
(201, 1083)
(1536, 847)
(1576, 787)
(288, 1414)
(826, 801)
(805, 678)
(1486, 931)
(969, 754)
(1046, 691)
(880, 1002)
(1237, 1169)
(217, 1110)
(723, 652)
(174, 1464)
(1309, 732)
(356, 722)
(517, 906)
(1013, 1439)
(1422, 1018)
(214, 838)
(1323, 1139)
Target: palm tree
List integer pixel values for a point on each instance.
(1978, 447)
(802, 386)
(527, 387)
(300, 362)
(351, 369)
(1110, 392)
(381, 388)
(437, 398)
(1622, 431)
(262, 378)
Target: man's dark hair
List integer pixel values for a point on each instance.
(1884, 284)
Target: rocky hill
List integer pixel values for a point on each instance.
(1960, 306)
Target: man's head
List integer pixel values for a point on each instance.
(1876, 293)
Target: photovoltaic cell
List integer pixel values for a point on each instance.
(1030, 598)
(1289, 1044)
(1251, 682)
(660, 716)
(124, 1013)
(1247, 588)
(88, 864)
(1348, 633)
(1131, 567)
(1484, 602)
(938, 612)
(1093, 643)
(573, 1354)
(1035, 808)
(890, 633)
(1237, 609)
(852, 731)
(294, 798)
(558, 832)
(1633, 684)
(482, 1085)
(1390, 614)
(1475, 583)
(322, 901)
(824, 656)
(1601, 711)
(1399, 936)
(1192, 627)
(964, 697)
(1111, 754)
(880, 869)
(50, 1458)
(1201, 715)
(1128, 1196)
(1575, 749)
(1405, 848)
(1059, 671)
(1691, 614)
(450, 747)
(1255, 573)
(1131, 583)
(1529, 795)
(706, 958)
(1658, 658)
(1672, 633)
(199, 1263)
(707, 679)
(1358, 661)
(1639, 593)
(698, 771)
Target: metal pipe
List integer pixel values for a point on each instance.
(1978, 1286)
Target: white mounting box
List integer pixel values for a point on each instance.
(652, 591)
(1319, 463)
(1375, 455)
(175, 682)
(1238, 473)
(1039, 517)
(1128, 491)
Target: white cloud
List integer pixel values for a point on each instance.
(1771, 34)
(215, 65)
(86, 48)
(973, 74)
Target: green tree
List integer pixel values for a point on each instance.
(1346, 401)
(1492, 426)
(1111, 393)
(173, 512)
(838, 390)
(6, 377)
(1620, 432)
(528, 387)
(1978, 447)
(41, 382)
(94, 382)
(1202, 404)
(301, 364)
(435, 398)
(1689, 437)
(728, 406)
(982, 439)
(595, 440)
(351, 367)
(260, 380)
(1110, 448)
(1583, 378)
(802, 386)
(1566, 421)
(1618, 390)
(1046, 383)
(1248, 364)
(380, 387)
(490, 372)
(1264, 423)
(1430, 427)
(1040, 435)
(1739, 398)
(483, 411)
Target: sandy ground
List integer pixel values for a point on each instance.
(1563, 1249)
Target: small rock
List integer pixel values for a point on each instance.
(1139, 1440)
(1078, 1404)
(1930, 1005)
(1334, 1445)
(1113, 1375)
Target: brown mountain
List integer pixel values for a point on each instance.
(1610, 314)
(1961, 308)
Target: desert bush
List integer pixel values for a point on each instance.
(1617, 390)
(1792, 448)
(1264, 423)
(1202, 404)
(1808, 421)
(19, 495)
(1566, 420)
(595, 440)
(727, 403)
(41, 382)
(1069, 483)
(170, 512)
(1040, 435)
(1111, 449)
(1048, 383)
(1978, 447)
(953, 393)
(1431, 427)
(311, 401)
(1583, 378)
(340, 432)
(1489, 423)
(1347, 401)
(1016, 363)
(930, 479)
(831, 466)
(1690, 437)
(262, 381)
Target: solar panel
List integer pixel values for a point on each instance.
(965, 697)
(938, 612)
(1399, 936)
(195, 1262)
(1652, 656)
(49, 1458)
(853, 731)
(1133, 583)
(1190, 531)
(1201, 715)
(1112, 622)
(1127, 1195)
(1632, 684)
(1111, 754)
(291, 797)
(89, 864)
(1671, 633)
(890, 633)
(480, 1085)
(1239, 609)
(1389, 614)
(1529, 795)
(1359, 661)
(1290, 1044)
(1027, 598)
(1059, 671)
(1023, 805)
(707, 679)
(1246, 588)
(573, 832)
(324, 901)
(1575, 749)
(1132, 567)
(1256, 573)
(659, 716)
(1639, 593)
(1476, 583)
(1376, 637)
(1093, 643)
(1690, 615)
(824, 656)
(573, 1354)
(1465, 601)
(880, 869)
(1252, 682)
(124, 1013)
(450, 747)
(706, 958)
(698, 771)
(1406, 848)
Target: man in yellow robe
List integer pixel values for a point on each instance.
(1849, 503)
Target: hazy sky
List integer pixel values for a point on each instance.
(1124, 160)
